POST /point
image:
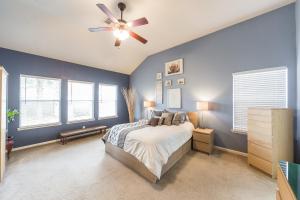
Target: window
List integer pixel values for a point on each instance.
(107, 101)
(39, 101)
(80, 101)
(258, 88)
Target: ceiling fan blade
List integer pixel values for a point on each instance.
(100, 29)
(138, 22)
(138, 37)
(107, 12)
(117, 43)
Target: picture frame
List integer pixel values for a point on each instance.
(174, 98)
(158, 76)
(174, 67)
(181, 81)
(159, 92)
(168, 83)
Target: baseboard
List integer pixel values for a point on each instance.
(231, 151)
(35, 145)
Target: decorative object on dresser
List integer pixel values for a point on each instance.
(148, 105)
(270, 138)
(180, 81)
(168, 83)
(3, 122)
(174, 98)
(288, 181)
(203, 140)
(129, 96)
(174, 67)
(202, 106)
(159, 92)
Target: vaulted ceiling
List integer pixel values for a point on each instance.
(58, 28)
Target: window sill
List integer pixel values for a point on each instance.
(80, 121)
(239, 132)
(38, 126)
(111, 117)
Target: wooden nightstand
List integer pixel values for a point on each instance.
(203, 140)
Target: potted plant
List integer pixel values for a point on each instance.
(11, 114)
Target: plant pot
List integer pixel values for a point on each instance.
(9, 144)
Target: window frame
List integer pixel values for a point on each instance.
(116, 101)
(93, 104)
(234, 130)
(43, 125)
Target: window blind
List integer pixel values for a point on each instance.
(258, 88)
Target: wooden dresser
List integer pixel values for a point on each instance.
(203, 140)
(270, 138)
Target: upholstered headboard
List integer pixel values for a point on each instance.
(193, 117)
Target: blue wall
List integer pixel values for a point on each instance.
(265, 41)
(17, 63)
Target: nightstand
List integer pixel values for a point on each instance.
(203, 140)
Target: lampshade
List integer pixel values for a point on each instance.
(203, 105)
(148, 104)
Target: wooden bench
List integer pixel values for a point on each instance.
(81, 132)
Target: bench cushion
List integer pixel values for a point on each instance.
(80, 131)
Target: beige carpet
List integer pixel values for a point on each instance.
(81, 170)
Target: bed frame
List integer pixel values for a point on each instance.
(134, 164)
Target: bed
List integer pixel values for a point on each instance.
(152, 151)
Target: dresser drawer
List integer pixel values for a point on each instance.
(200, 146)
(260, 127)
(259, 163)
(260, 112)
(201, 137)
(261, 139)
(260, 118)
(259, 151)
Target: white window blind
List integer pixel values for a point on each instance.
(39, 101)
(80, 101)
(107, 101)
(258, 88)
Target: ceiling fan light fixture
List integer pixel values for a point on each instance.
(121, 34)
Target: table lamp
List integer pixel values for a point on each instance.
(202, 106)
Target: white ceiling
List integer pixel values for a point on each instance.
(58, 28)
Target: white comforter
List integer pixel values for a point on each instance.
(154, 145)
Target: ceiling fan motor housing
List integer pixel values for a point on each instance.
(121, 6)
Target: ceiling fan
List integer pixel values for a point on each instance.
(120, 27)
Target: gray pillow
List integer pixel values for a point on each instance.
(156, 113)
(161, 121)
(168, 117)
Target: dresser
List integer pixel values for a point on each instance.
(288, 181)
(270, 138)
(203, 140)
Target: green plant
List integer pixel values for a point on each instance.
(11, 114)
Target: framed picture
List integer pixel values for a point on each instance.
(159, 92)
(158, 76)
(174, 67)
(180, 81)
(168, 83)
(174, 98)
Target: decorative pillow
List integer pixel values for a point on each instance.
(176, 119)
(168, 118)
(153, 121)
(161, 121)
(156, 113)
